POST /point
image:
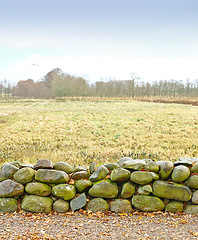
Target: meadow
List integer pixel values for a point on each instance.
(80, 132)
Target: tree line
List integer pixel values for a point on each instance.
(56, 83)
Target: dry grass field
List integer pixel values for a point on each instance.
(80, 132)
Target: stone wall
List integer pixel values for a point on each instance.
(144, 185)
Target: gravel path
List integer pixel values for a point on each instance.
(87, 225)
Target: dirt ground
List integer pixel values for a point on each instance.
(88, 225)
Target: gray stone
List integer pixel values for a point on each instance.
(174, 206)
(195, 197)
(78, 202)
(187, 163)
(151, 166)
(147, 203)
(16, 164)
(8, 170)
(142, 178)
(191, 209)
(100, 173)
(65, 191)
(1, 177)
(83, 185)
(37, 204)
(194, 168)
(134, 164)
(145, 190)
(37, 188)
(61, 206)
(180, 173)
(111, 166)
(43, 164)
(97, 205)
(121, 206)
(192, 159)
(92, 167)
(124, 159)
(173, 191)
(120, 175)
(51, 176)
(9, 188)
(8, 205)
(63, 166)
(192, 182)
(80, 175)
(166, 168)
(104, 189)
(80, 168)
(24, 175)
(27, 165)
(128, 189)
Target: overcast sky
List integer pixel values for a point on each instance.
(99, 39)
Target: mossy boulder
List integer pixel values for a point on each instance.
(128, 189)
(142, 178)
(174, 206)
(195, 197)
(63, 166)
(78, 202)
(191, 209)
(24, 175)
(65, 191)
(79, 168)
(192, 182)
(173, 191)
(100, 173)
(8, 204)
(8, 170)
(180, 173)
(37, 204)
(151, 166)
(61, 206)
(37, 188)
(166, 168)
(120, 175)
(145, 190)
(80, 175)
(104, 189)
(83, 185)
(120, 205)
(16, 164)
(51, 176)
(111, 166)
(97, 205)
(124, 159)
(9, 188)
(147, 203)
(194, 168)
(134, 164)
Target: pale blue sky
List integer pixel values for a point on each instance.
(99, 39)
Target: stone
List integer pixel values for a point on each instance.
(121, 206)
(147, 203)
(151, 166)
(8, 170)
(174, 206)
(142, 178)
(8, 205)
(134, 164)
(124, 159)
(43, 164)
(100, 173)
(180, 173)
(120, 175)
(192, 159)
(83, 185)
(104, 189)
(194, 168)
(16, 164)
(92, 167)
(173, 191)
(51, 176)
(39, 189)
(9, 188)
(65, 191)
(78, 202)
(166, 168)
(195, 197)
(128, 189)
(80, 175)
(145, 190)
(24, 175)
(1, 177)
(79, 168)
(63, 166)
(61, 206)
(192, 182)
(37, 204)
(111, 166)
(190, 209)
(187, 163)
(27, 165)
(97, 205)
